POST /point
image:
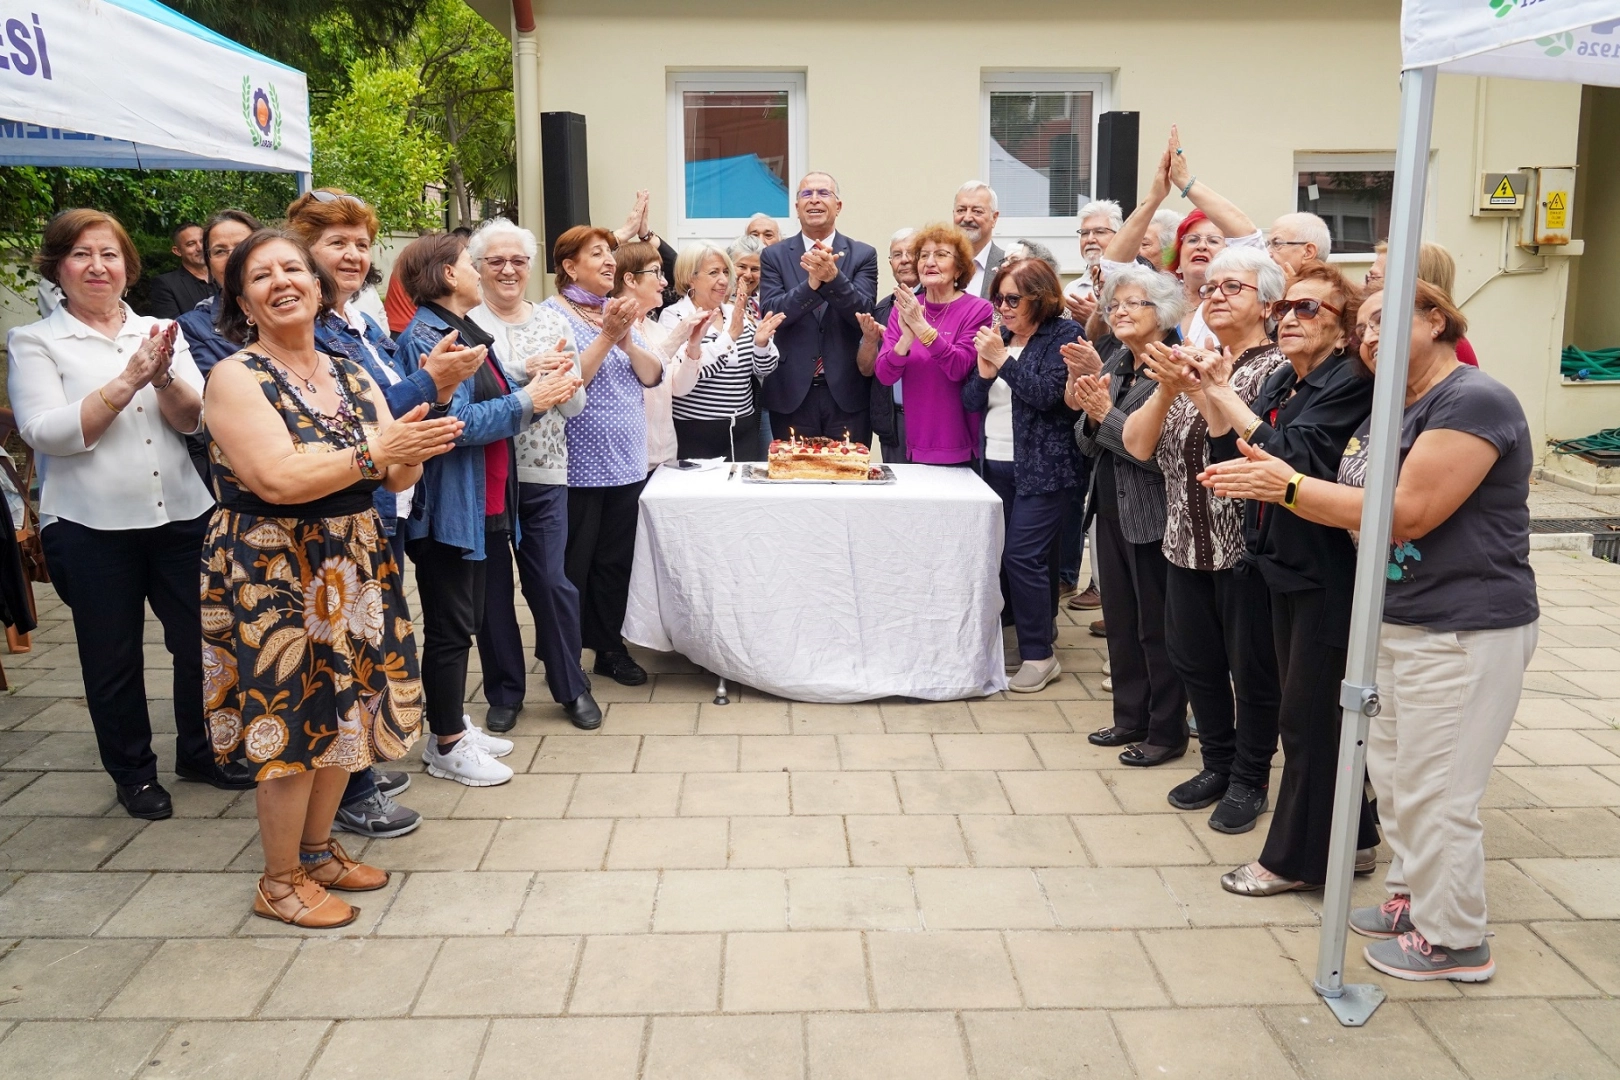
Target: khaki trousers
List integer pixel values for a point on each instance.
(1448, 702)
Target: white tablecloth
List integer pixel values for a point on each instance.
(821, 592)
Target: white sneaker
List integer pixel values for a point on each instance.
(1034, 675)
(1108, 685)
(489, 744)
(1108, 669)
(465, 762)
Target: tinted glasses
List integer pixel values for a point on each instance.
(1305, 309)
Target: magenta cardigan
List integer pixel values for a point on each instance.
(938, 430)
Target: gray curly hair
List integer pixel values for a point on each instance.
(1169, 299)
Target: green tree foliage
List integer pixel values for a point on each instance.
(369, 144)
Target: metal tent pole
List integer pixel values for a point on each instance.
(306, 184)
(1358, 694)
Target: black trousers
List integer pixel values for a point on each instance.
(450, 590)
(1308, 720)
(894, 446)
(1147, 691)
(819, 414)
(107, 577)
(1218, 630)
(552, 599)
(736, 439)
(601, 549)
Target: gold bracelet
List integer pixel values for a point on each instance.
(1248, 432)
(933, 336)
(102, 394)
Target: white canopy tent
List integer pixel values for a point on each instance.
(130, 84)
(1556, 40)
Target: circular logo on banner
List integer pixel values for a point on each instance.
(261, 108)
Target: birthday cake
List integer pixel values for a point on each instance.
(818, 458)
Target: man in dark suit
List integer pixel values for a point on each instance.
(976, 214)
(819, 280)
(178, 291)
(888, 407)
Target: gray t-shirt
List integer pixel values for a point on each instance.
(1472, 572)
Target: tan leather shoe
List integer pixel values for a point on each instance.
(293, 898)
(341, 872)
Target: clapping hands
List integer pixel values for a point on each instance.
(871, 329)
(820, 264)
(1080, 358)
(1089, 394)
(992, 351)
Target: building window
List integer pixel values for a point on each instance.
(736, 145)
(1038, 145)
(1352, 193)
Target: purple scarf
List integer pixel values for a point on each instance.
(583, 296)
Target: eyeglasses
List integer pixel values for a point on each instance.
(1229, 287)
(1273, 244)
(1011, 300)
(1373, 278)
(1084, 233)
(1371, 328)
(333, 196)
(659, 270)
(497, 262)
(817, 193)
(1304, 309)
(1134, 305)
(1200, 240)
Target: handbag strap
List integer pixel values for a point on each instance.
(23, 484)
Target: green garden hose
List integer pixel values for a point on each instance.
(1606, 441)
(1600, 365)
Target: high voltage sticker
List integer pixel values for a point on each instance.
(1557, 211)
(1504, 194)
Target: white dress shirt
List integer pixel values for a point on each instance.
(976, 286)
(138, 474)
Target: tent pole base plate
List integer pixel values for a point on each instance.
(1356, 1003)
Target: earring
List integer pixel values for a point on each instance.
(250, 321)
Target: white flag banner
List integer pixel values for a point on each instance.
(132, 84)
(1558, 40)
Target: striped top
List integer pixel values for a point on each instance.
(725, 381)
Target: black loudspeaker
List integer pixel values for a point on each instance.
(565, 175)
(1118, 135)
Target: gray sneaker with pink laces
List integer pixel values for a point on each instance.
(1390, 919)
(1412, 957)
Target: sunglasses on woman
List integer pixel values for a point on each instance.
(1304, 309)
(1011, 300)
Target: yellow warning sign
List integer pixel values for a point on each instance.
(1557, 211)
(1504, 195)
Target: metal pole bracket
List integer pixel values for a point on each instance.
(1354, 1004)
(1361, 699)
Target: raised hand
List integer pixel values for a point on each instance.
(617, 317)
(449, 364)
(411, 439)
(1180, 171)
(1171, 369)
(1214, 369)
(1092, 398)
(871, 329)
(991, 349)
(1082, 306)
(152, 358)
(635, 222)
(1080, 358)
(820, 264)
(766, 329)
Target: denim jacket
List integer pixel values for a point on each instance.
(208, 346)
(1045, 457)
(449, 501)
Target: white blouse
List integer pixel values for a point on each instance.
(138, 474)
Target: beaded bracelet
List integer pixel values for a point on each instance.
(367, 464)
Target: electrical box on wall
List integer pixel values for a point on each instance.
(1501, 193)
(1549, 211)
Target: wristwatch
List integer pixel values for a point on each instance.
(1291, 492)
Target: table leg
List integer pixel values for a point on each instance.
(720, 695)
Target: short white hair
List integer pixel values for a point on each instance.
(761, 217)
(980, 185)
(498, 229)
(1104, 208)
(745, 245)
(1268, 276)
(817, 172)
(1309, 228)
(1164, 290)
(902, 234)
(1164, 224)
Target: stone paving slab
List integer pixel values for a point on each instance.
(775, 889)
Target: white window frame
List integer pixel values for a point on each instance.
(679, 83)
(1057, 233)
(1313, 161)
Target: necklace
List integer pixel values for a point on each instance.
(589, 316)
(308, 380)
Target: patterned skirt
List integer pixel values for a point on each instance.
(309, 656)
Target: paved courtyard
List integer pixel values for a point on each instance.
(807, 892)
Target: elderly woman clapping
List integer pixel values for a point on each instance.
(1142, 307)
(1218, 617)
(1030, 456)
(1459, 629)
(1304, 414)
(719, 415)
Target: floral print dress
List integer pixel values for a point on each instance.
(309, 655)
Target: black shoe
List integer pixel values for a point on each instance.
(620, 668)
(584, 712)
(233, 776)
(1116, 736)
(1145, 755)
(1205, 788)
(501, 717)
(1239, 809)
(147, 801)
